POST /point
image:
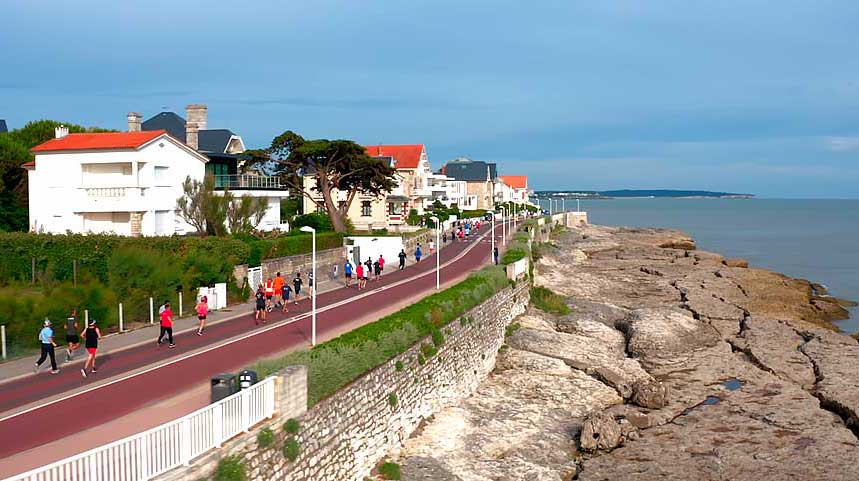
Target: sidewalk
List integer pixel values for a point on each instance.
(115, 342)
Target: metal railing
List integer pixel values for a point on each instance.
(245, 181)
(154, 452)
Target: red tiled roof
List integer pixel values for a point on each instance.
(515, 181)
(99, 141)
(406, 156)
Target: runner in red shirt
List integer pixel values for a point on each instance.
(359, 271)
(166, 325)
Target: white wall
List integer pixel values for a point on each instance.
(372, 247)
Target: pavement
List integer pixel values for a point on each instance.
(46, 417)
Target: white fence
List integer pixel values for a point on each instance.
(151, 453)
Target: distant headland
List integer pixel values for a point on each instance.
(633, 193)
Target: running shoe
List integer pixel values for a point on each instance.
(94, 370)
(55, 371)
(83, 372)
(172, 346)
(36, 368)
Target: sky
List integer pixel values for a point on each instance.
(752, 97)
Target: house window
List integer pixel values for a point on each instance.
(161, 175)
(366, 210)
(396, 208)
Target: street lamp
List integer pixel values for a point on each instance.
(492, 252)
(503, 226)
(438, 250)
(307, 228)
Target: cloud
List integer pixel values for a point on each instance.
(842, 144)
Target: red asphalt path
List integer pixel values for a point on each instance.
(114, 399)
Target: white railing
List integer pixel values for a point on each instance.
(246, 181)
(154, 452)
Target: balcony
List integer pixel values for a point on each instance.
(248, 182)
(111, 199)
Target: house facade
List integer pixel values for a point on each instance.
(450, 192)
(127, 183)
(479, 178)
(512, 188)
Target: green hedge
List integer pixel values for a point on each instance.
(261, 249)
(333, 364)
(55, 253)
(470, 214)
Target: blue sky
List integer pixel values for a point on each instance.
(749, 96)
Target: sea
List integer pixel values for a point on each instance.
(816, 240)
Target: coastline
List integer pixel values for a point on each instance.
(673, 362)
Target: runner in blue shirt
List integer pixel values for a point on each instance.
(347, 272)
(46, 339)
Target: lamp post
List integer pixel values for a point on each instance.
(564, 204)
(307, 228)
(503, 226)
(578, 209)
(492, 252)
(437, 251)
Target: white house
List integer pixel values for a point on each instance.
(512, 188)
(450, 191)
(125, 183)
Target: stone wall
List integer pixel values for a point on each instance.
(343, 437)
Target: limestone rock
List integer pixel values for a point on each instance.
(741, 263)
(683, 244)
(649, 394)
(600, 432)
(666, 336)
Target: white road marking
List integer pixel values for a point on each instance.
(243, 337)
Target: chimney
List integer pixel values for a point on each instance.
(61, 131)
(135, 121)
(191, 135)
(197, 114)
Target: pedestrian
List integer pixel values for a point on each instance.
(166, 325)
(202, 309)
(431, 247)
(334, 272)
(377, 269)
(278, 290)
(161, 307)
(310, 283)
(347, 273)
(359, 271)
(402, 256)
(259, 314)
(46, 339)
(381, 264)
(368, 268)
(73, 341)
(91, 336)
(296, 285)
(444, 238)
(418, 253)
(269, 293)
(285, 290)
(495, 254)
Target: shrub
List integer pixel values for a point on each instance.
(398, 365)
(421, 359)
(437, 317)
(291, 426)
(320, 222)
(291, 449)
(265, 438)
(511, 328)
(231, 468)
(437, 337)
(548, 301)
(390, 470)
(517, 250)
(428, 350)
(392, 399)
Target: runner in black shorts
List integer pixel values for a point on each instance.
(260, 305)
(296, 286)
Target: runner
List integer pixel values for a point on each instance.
(260, 307)
(269, 294)
(72, 339)
(285, 290)
(347, 273)
(91, 336)
(377, 270)
(202, 311)
(296, 286)
(278, 290)
(359, 271)
(46, 339)
(402, 256)
(418, 253)
(166, 325)
(381, 264)
(444, 238)
(310, 283)
(368, 268)
(431, 247)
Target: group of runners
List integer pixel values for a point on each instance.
(363, 271)
(275, 294)
(90, 335)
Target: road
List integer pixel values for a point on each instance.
(158, 373)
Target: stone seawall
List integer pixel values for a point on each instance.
(344, 436)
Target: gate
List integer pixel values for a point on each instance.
(254, 277)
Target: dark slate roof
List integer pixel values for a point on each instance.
(474, 171)
(214, 140)
(169, 121)
(3, 126)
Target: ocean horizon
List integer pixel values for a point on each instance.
(814, 239)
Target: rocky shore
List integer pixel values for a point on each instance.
(673, 364)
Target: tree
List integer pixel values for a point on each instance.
(334, 165)
(218, 215)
